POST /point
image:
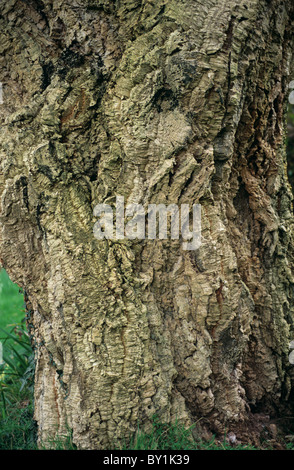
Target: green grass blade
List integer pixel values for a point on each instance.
(24, 344)
(20, 358)
(3, 401)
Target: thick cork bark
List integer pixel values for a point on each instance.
(164, 102)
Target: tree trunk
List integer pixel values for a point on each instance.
(166, 102)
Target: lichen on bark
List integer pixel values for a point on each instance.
(159, 102)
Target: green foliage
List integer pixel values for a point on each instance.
(175, 437)
(17, 427)
(290, 446)
(11, 302)
(163, 437)
(18, 366)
